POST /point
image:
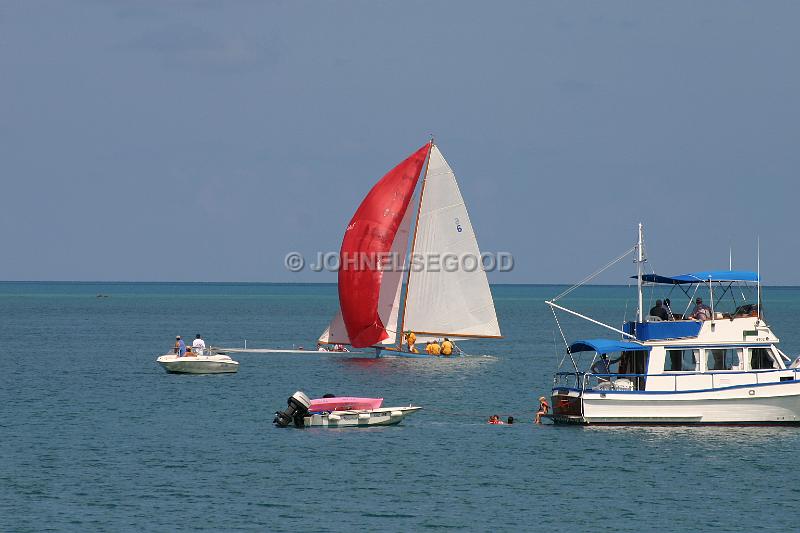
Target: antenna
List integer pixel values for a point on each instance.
(758, 273)
(730, 257)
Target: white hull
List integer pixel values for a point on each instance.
(202, 364)
(385, 416)
(775, 403)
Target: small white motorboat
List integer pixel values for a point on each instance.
(385, 416)
(213, 363)
(298, 414)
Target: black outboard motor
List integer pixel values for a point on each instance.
(295, 412)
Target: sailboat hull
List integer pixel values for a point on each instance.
(409, 355)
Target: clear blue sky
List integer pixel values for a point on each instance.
(178, 140)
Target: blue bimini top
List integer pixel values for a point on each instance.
(703, 277)
(606, 346)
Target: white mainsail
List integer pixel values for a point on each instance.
(441, 301)
(391, 286)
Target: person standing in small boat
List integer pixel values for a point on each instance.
(180, 346)
(198, 345)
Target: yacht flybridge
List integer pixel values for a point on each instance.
(719, 364)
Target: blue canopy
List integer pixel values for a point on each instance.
(702, 277)
(605, 346)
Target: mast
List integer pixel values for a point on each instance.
(402, 329)
(640, 259)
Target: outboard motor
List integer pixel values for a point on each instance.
(295, 412)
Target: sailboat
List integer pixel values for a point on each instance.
(438, 302)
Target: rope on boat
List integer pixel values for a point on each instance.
(569, 353)
(590, 277)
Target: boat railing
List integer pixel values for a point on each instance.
(569, 380)
(587, 381)
(601, 382)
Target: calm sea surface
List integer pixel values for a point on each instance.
(95, 436)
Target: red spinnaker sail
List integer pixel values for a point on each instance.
(369, 235)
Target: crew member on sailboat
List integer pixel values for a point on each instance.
(411, 339)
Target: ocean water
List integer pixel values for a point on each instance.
(95, 436)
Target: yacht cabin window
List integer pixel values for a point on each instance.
(762, 359)
(723, 359)
(682, 361)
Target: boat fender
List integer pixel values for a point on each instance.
(297, 410)
(363, 417)
(334, 418)
(396, 414)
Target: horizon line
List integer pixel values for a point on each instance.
(543, 284)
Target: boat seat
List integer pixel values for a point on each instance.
(623, 384)
(617, 384)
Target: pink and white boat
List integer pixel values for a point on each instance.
(343, 403)
(339, 412)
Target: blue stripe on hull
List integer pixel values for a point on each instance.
(645, 392)
(661, 423)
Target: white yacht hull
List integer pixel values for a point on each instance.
(774, 403)
(201, 364)
(385, 416)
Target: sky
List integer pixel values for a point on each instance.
(203, 141)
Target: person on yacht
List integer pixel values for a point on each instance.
(198, 345)
(701, 311)
(603, 365)
(544, 408)
(659, 310)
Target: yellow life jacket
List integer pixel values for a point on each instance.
(447, 348)
(436, 349)
(411, 338)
